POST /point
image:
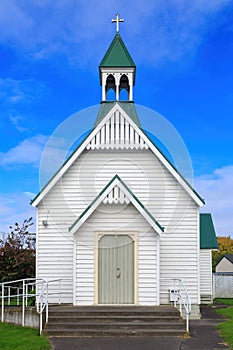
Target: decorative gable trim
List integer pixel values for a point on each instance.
(136, 133)
(116, 191)
(117, 132)
(116, 196)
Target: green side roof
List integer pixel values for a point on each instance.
(117, 55)
(208, 238)
(127, 106)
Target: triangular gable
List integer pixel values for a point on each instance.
(229, 257)
(135, 138)
(118, 131)
(116, 191)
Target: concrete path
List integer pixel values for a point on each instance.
(204, 336)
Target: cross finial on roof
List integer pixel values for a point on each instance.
(117, 20)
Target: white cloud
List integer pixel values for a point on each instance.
(13, 91)
(216, 188)
(30, 195)
(27, 152)
(16, 96)
(17, 121)
(15, 207)
(71, 28)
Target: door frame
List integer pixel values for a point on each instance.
(134, 236)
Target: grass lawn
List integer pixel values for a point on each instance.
(225, 301)
(226, 328)
(21, 338)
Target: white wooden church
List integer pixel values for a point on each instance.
(118, 223)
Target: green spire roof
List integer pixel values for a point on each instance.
(117, 55)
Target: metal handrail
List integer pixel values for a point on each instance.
(182, 296)
(22, 292)
(43, 302)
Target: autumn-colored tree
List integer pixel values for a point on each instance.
(17, 253)
(225, 244)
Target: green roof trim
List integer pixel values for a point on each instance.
(208, 238)
(100, 194)
(127, 106)
(117, 55)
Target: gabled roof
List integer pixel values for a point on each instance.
(208, 238)
(117, 55)
(229, 257)
(116, 181)
(117, 106)
(127, 106)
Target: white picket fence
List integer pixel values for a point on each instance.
(223, 285)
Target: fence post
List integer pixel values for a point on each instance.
(23, 304)
(9, 295)
(3, 302)
(17, 296)
(26, 291)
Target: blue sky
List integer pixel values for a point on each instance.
(49, 57)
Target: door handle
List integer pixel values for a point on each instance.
(118, 273)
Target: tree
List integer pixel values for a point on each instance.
(225, 245)
(17, 253)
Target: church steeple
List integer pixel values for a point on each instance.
(117, 68)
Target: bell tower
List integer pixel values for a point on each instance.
(117, 70)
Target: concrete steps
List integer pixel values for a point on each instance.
(82, 321)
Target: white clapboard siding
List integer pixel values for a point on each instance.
(206, 276)
(153, 185)
(147, 268)
(117, 218)
(54, 257)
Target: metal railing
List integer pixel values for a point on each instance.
(178, 294)
(20, 292)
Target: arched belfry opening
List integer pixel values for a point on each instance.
(110, 87)
(124, 88)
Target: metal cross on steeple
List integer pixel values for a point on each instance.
(117, 20)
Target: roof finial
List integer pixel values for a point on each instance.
(118, 20)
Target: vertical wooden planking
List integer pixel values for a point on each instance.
(136, 140)
(126, 134)
(107, 134)
(117, 134)
(112, 132)
(98, 140)
(122, 131)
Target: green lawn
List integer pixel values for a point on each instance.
(226, 327)
(21, 338)
(225, 301)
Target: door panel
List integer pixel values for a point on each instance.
(116, 269)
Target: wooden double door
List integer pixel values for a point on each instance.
(116, 269)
